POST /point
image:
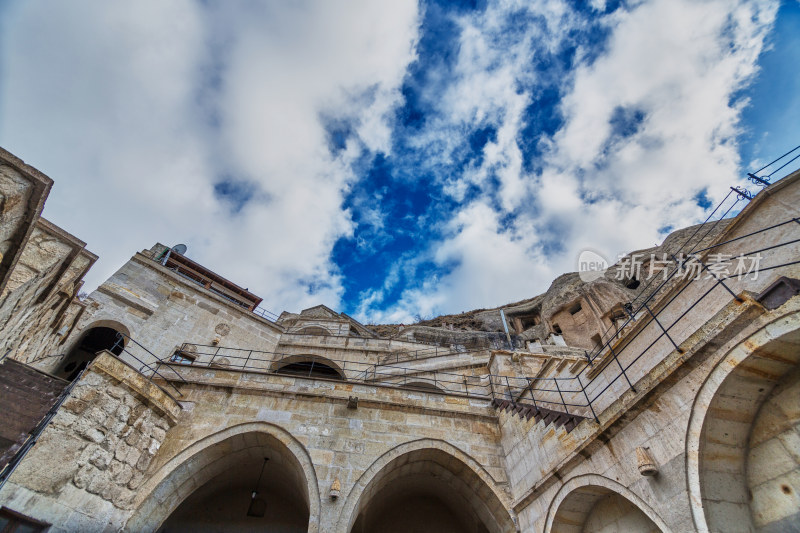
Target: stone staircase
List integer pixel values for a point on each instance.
(540, 414)
(26, 396)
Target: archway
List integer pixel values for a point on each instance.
(99, 336)
(424, 386)
(425, 486)
(308, 366)
(313, 330)
(208, 486)
(743, 463)
(593, 505)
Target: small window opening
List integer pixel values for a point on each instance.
(597, 340)
(311, 369)
(575, 309)
(182, 358)
(528, 321)
(632, 283)
(557, 329)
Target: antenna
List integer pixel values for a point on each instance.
(179, 249)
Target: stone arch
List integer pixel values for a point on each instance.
(193, 467)
(301, 359)
(314, 330)
(423, 386)
(463, 473)
(574, 507)
(95, 337)
(723, 426)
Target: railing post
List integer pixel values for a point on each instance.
(508, 389)
(561, 396)
(655, 319)
(588, 401)
(530, 389)
(214, 356)
(614, 353)
(719, 281)
(246, 361)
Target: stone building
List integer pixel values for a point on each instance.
(168, 400)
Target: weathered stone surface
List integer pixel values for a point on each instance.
(718, 415)
(51, 479)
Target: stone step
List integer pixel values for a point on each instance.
(539, 414)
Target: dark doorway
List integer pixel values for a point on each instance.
(93, 341)
(310, 369)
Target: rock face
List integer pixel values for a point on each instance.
(23, 190)
(15, 192)
(579, 313)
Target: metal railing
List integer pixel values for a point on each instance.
(151, 369)
(34, 435)
(43, 357)
(574, 395)
(482, 386)
(605, 366)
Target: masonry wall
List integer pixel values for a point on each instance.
(38, 306)
(162, 311)
(342, 443)
(84, 471)
(773, 461)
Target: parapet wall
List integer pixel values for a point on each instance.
(84, 472)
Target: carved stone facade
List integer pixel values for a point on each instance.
(168, 428)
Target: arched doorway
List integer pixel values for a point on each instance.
(313, 330)
(748, 463)
(595, 508)
(308, 366)
(98, 337)
(425, 490)
(209, 487)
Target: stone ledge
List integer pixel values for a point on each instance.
(132, 300)
(729, 323)
(162, 402)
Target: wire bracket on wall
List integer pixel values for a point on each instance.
(743, 193)
(758, 181)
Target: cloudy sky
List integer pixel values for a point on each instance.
(393, 159)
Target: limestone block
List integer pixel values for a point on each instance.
(98, 482)
(100, 458)
(121, 472)
(82, 477)
(50, 480)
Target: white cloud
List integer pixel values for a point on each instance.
(137, 110)
(114, 101)
(677, 62)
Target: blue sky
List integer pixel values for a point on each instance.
(393, 159)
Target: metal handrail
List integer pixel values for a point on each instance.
(42, 358)
(34, 435)
(569, 393)
(153, 367)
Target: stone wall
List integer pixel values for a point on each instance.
(23, 190)
(38, 306)
(342, 443)
(85, 469)
(162, 310)
(773, 461)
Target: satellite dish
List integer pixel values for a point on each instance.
(179, 249)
